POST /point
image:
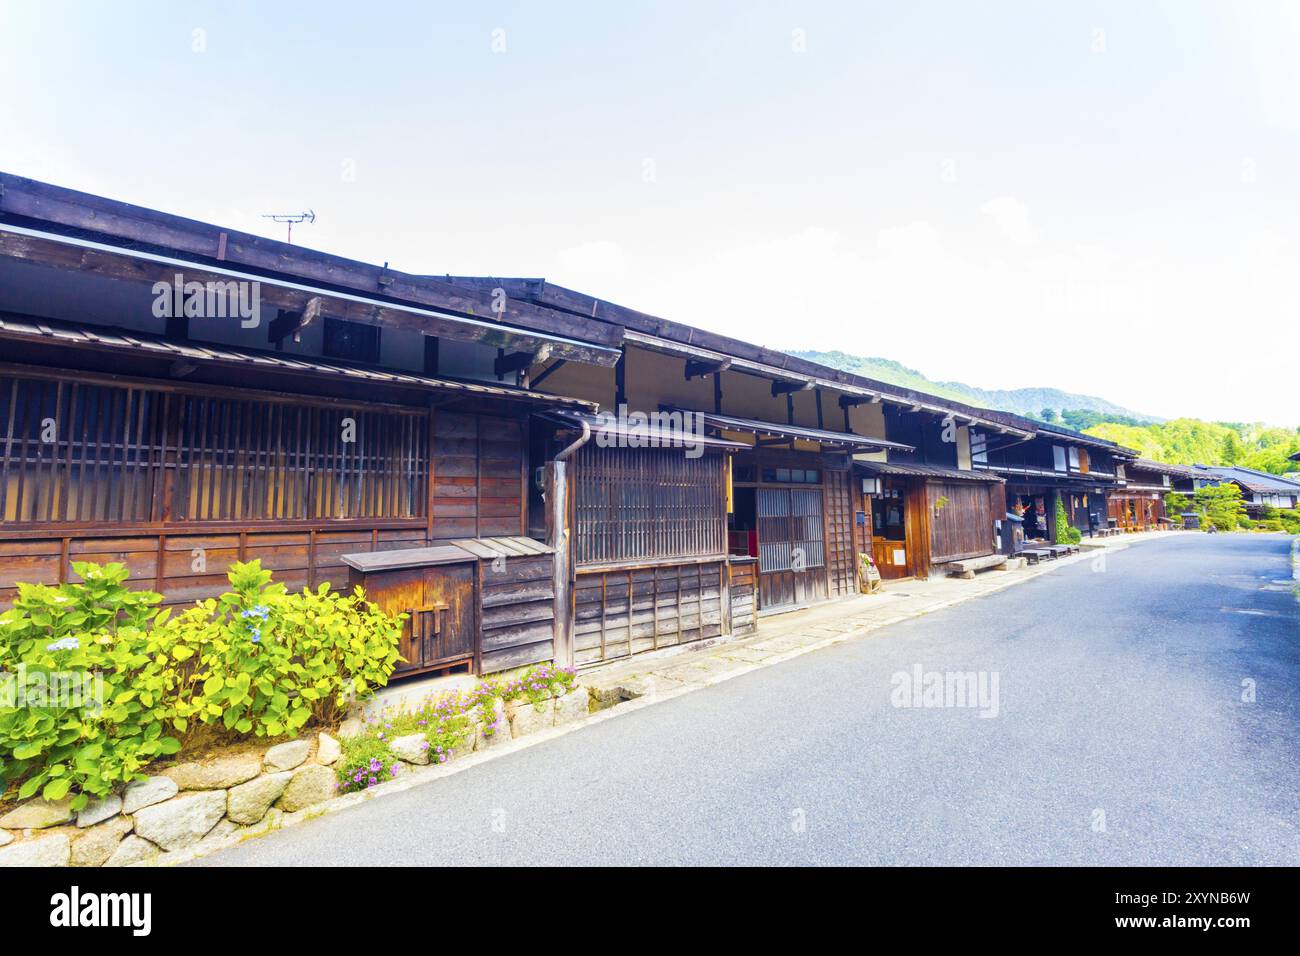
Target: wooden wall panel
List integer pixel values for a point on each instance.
(518, 612)
(478, 483)
(618, 613)
(743, 587)
(963, 526)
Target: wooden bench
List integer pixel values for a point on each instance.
(1060, 549)
(1034, 555)
(966, 569)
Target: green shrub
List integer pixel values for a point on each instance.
(366, 762)
(88, 699)
(1066, 533)
(264, 662)
(135, 680)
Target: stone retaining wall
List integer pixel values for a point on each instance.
(187, 806)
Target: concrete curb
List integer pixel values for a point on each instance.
(420, 776)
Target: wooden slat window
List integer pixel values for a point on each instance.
(246, 460)
(648, 504)
(78, 452)
(790, 529)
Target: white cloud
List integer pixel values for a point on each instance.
(1110, 318)
(1012, 218)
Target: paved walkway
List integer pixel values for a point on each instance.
(781, 637)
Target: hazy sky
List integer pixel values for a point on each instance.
(1098, 197)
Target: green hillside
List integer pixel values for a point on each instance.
(1022, 401)
(1183, 441)
(1186, 441)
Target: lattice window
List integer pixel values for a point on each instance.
(635, 504)
(83, 452)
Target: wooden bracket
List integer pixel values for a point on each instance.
(786, 388)
(515, 362)
(292, 323)
(698, 369)
(546, 372)
(850, 401)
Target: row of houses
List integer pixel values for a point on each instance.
(530, 472)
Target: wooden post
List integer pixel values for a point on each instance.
(556, 485)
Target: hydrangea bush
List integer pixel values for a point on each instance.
(122, 682)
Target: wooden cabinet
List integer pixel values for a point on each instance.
(436, 588)
(487, 604)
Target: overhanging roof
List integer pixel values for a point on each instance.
(1160, 467)
(1056, 431)
(17, 329)
(1046, 476)
(674, 338)
(1258, 482)
(136, 265)
(910, 469)
(752, 426)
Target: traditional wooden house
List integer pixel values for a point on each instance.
(1259, 489)
(829, 465)
(1056, 465)
(531, 473)
(177, 397)
(1138, 503)
(927, 506)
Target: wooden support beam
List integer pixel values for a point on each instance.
(785, 388)
(850, 401)
(699, 369)
(510, 362)
(546, 373)
(292, 323)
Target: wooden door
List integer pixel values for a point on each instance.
(440, 605)
(892, 534)
(791, 546)
(448, 632)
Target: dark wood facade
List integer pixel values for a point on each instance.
(923, 516)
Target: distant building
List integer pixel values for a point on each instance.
(1259, 489)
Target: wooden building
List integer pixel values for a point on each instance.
(177, 396)
(1259, 489)
(1057, 464)
(350, 409)
(1138, 503)
(790, 499)
(926, 505)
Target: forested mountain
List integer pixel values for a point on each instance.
(1182, 441)
(1022, 401)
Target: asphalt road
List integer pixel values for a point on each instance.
(1121, 737)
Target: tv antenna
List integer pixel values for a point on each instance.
(290, 218)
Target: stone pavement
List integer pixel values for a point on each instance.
(783, 636)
